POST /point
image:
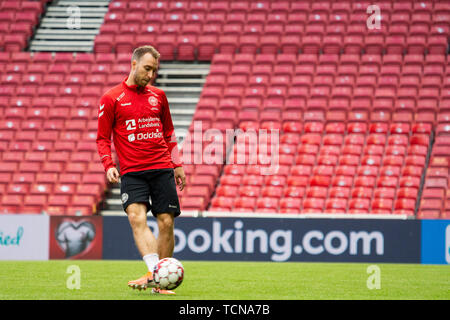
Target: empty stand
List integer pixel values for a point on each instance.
(48, 138)
(366, 156)
(18, 19)
(362, 114)
(266, 27)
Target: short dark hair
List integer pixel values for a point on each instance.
(141, 51)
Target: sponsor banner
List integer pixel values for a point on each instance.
(118, 241)
(435, 242)
(284, 239)
(76, 237)
(24, 237)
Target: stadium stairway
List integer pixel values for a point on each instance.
(182, 82)
(70, 25)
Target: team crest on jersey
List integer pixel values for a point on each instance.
(153, 101)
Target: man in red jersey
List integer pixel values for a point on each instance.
(138, 115)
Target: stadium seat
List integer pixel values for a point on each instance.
(222, 202)
(290, 205)
(193, 203)
(244, 204)
(269, 204)
(359, 206)
(313, 205)
(272, 191)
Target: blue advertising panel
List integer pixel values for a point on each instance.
(272, 239)
(435, 242)
(118, 242)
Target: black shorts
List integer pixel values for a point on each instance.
(155, 188)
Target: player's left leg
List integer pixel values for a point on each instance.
(165, 207)
(166, 239)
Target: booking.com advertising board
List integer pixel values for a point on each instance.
(40, 237)
(283, 239)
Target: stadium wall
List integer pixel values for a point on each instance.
(40, 237)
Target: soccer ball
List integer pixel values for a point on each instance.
(168, 273)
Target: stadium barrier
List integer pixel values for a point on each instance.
(41, 237)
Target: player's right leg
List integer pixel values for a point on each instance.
(135, 193)
(145, 242)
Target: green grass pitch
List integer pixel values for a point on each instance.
(107, 280)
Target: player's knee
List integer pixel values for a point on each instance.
(165, 223)
(137, 218)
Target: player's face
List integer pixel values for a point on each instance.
(146, 69)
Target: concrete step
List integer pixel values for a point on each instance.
(114, 201)
(181, 117)
(183, 72)
(113, 213)
(181, 123)
(192, 100)
(83, 3)
(84, 13)
(81, 32)
(182, 112)
(182, 65)
(68, 36)
(96, 20)
(67, 43)
(63, 25)
(56, 48)
(181, 90)
(60, 8)
(180, 82)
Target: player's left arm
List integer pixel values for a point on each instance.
(171, 141)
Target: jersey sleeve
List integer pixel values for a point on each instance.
(169, 132)
(104, 130)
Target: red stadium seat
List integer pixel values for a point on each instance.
(358, 206)
(382, 205)
(313, 205)
(244, 203)
(272, 191)
(290, 204)
(268, 203)
(222, 202)
(193, 203)
(249, 191)
(186, 47)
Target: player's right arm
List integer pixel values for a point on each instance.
(104, 130)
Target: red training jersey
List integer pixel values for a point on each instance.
(143, 132)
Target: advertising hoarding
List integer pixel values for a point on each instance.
(272, 239)
(76, 237)
(435, 242)
(24, 237)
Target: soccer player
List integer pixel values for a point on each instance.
(138, 115)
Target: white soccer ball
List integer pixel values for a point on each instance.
(168, 273)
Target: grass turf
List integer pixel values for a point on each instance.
(107, 280)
